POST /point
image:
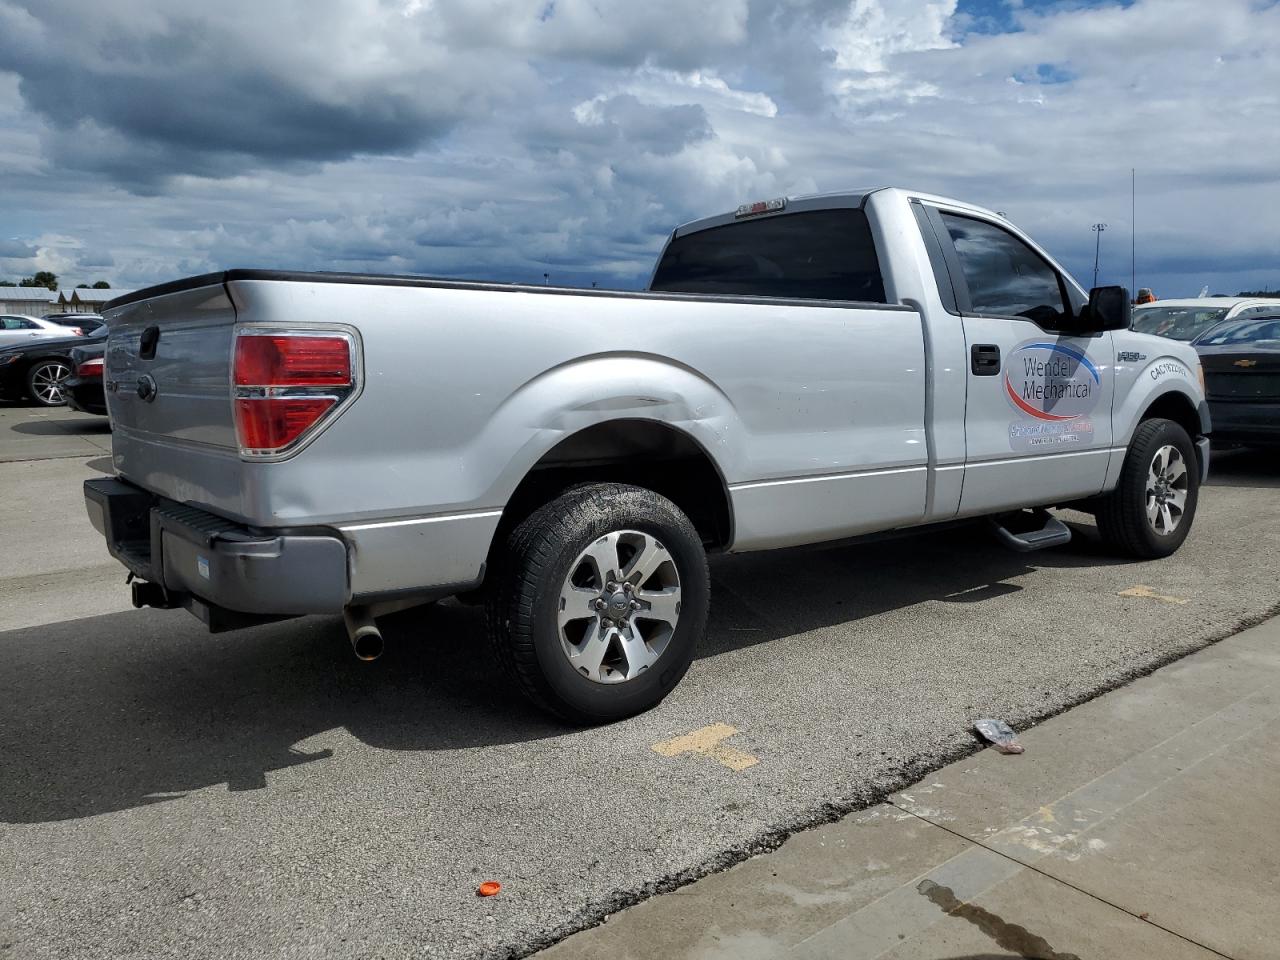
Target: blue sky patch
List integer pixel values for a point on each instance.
(989, 17)
(1046, 74)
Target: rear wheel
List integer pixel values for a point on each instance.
(601, 599)
(1150, 512)
(44, 382)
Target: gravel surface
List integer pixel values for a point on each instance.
(168, 793)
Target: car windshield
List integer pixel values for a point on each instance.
(1250, 331)
(1177, 323)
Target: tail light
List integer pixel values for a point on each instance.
(287, 384)
(90, 369)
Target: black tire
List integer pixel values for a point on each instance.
(542, 552)
(37, 386)
(1122, 514)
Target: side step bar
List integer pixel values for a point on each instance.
(1032, 530)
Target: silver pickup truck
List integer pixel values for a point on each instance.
(799, 371)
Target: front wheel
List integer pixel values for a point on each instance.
(44, 382)
(1150, 512)
(600, 602)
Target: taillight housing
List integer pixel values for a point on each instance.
(90, 369)
(288, 384)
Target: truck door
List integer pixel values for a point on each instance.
(1038, 406)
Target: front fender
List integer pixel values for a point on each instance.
(1157, 378)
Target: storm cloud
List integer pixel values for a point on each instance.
(508, 139)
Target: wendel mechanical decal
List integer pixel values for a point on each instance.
(1054, 388)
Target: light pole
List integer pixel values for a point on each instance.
(1097, 249)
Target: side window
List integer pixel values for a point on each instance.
(1258, 311)
(1006, 277)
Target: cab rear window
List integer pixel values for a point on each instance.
(816, 255)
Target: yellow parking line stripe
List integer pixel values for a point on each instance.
(709, 742)
(1147, 593)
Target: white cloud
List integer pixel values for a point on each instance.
(511, 137)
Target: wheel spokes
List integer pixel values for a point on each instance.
(603, 555)
(637, 654)
(662, 606)
(648, 558)
(575, 604)
(589, 655)
(619, 606)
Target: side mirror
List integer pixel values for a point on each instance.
(1109, 309)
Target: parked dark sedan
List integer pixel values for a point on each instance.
(38, 367)
(83, 389)
(1242, 380)
(85, 323)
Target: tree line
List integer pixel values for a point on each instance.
(44, 278)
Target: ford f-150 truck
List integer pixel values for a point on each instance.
(798, 371)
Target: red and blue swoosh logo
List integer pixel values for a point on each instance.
(1077, 398)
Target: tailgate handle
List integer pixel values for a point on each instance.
(147, 344)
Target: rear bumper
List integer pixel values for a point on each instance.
(225, 573)
(85, 395)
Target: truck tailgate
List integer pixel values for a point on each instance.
(167, 378)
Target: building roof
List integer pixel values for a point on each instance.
(38, 294)
(102, 296)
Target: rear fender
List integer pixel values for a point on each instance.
(592, 390)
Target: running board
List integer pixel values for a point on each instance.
(1033, 530)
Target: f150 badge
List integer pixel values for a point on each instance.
(1053, 388)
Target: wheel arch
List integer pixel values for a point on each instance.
(1177, 406)
(641, 451)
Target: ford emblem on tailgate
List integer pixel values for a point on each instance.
(147, 388)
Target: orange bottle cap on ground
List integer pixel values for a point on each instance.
(488, 888)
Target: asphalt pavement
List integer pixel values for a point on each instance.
(1137, 825)
(164, 792)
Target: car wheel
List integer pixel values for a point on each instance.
(600, 601)
(1150, 512)
(44, 382)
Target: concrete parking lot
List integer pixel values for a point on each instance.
(164, 792)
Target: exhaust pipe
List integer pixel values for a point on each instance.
(366, 638)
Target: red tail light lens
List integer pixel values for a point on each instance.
(286, 383)
(292, 361)
(90, 369)
(270, 423)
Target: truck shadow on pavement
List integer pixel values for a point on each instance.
(60, 428)
(124, 710)
(1256, 467)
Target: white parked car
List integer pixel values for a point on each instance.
(1191, 319)
(18, 327)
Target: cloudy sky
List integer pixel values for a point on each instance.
(142, 140)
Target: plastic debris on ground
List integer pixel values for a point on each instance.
(489, 888)
(1000, 735)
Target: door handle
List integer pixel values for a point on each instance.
(985, 358)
